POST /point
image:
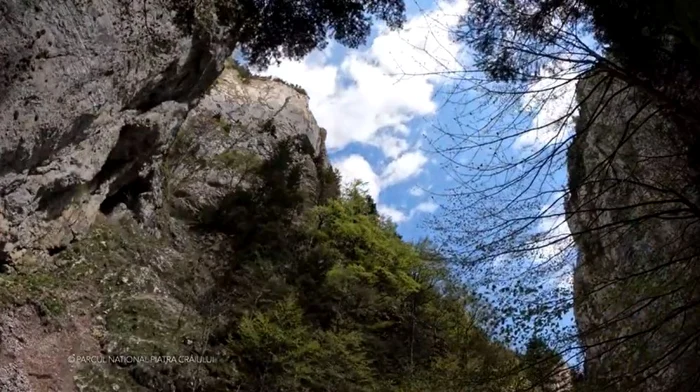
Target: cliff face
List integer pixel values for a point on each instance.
(80, 80)
(118, 134)
(633, 210)
(92, 95)
(235, 126)
(138, 263)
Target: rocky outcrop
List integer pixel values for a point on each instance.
(230, 132)
(92, 96)
(140, 277)
(560, 380)
(633, 211)
(118, 133)
(88, 90)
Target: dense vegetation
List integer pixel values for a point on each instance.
(292, 285)
(331, 298)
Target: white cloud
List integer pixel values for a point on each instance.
(416, 191)
(397, 216)
(426, 207)
(373, 94)
(408, 165)
(392, 82)
(355, 167)
(423, 47)
(556, 242)
(316, 77)
(391, 145)
(554, 228)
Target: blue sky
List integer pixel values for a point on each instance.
(380, 101)
(376, 116)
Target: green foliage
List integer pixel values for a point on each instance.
(238, 160)
(269, 30)
(327, 298)
(277, 351)
(225, 125)
(299, 89)
(540, 363)
(331, 298)
(296, 87)
(329, 182)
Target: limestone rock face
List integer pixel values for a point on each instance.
(88, 91)
(633, 213)
(117, 133)
(167, 168)
(235, 127)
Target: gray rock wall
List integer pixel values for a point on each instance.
(109, 113)
(107, 104)
(633, 210)
(79, 80)
(230, 132)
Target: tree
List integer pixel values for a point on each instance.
(544, 367)
(542, 87)
(656, 49)
(267, 30)
(331, 298)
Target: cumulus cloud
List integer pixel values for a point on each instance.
(426, 207)
(372, 95)
(391, 145)
(406, 166)
(399, 216)
(355, 167)
(396, 216)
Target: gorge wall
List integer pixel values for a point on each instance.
(93, 95)
(633, 211)
(79, 81)
(118, 133)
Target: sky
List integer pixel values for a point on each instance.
(376, 114)
(379, 102)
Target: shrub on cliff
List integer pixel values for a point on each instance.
(331, 298)
(348, 306)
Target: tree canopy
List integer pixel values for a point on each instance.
(267, 30)
(351, 307)
(331, 298)
(546, 74)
